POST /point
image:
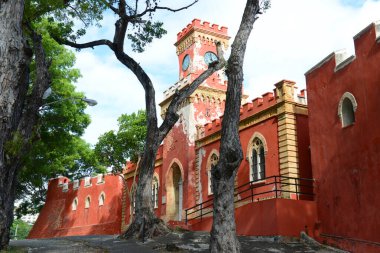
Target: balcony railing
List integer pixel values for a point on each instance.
(258, 190)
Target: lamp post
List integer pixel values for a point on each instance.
(89, 101)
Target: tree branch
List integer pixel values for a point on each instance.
(171, 115)
(92, 44)
(155, 8)
(109, 5)
(78, 14)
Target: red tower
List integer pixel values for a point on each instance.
(196, 47)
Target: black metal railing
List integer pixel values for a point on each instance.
(261, 189)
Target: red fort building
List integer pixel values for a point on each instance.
(321, 181)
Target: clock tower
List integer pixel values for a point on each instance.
(196, 47)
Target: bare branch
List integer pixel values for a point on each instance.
(136, 6)
(78, 14)
(91, 44)
(109, 5)
(155, 8)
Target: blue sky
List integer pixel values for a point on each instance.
(354, 3)
(286, 42)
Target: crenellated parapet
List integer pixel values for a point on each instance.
(198, 24)
(340, 59)
(265, 106)
(66, 184)
(203, 32)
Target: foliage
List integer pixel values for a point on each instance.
(145, 35)
(63, 14)
(114, 148)
(58, 149)
(21, 228)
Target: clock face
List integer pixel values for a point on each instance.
(186, 62)
(210, 57)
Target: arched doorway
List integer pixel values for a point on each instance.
(174, 193)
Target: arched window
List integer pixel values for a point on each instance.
(257, 160)
(87, 202)
(74, 205)
(213, 162)
(102, 197)
(346, 109)
(155, 192)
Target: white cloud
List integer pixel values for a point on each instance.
(115, 88)
(288, 40)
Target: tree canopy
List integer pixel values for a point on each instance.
(114, 148)
(23, 83)
(58, 148)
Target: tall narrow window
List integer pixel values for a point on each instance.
(155, 192)
(102, 197)
(213, 162)
(133, 199)
(74, 204)
(257, 160)
(348, 115)
(346, 109)
(87, 202)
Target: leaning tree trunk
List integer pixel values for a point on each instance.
(19, 104)
(145, 224)
(223, 233)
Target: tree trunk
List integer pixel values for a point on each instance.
(19, 104)
(145, 223)
(13, 87)
(223, 233)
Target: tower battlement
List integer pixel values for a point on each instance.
(205, 26)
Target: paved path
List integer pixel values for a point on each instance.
(175, 242)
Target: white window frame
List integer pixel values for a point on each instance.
(65, 187)
(102, 199)
(76, 184)
(87, 202)
(74, 205)
(347, 96)
(251, 147)
(155, 186)
(211, 161)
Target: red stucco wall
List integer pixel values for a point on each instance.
(58, 219)
(346, 161)
(271, 217)
(268, 129)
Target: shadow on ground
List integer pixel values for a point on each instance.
(173, 242)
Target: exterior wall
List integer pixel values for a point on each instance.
(57, 218)
(269, 218)
(346, 160)
(277, 118)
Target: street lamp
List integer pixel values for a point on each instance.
(47, 93)
(89, 101)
